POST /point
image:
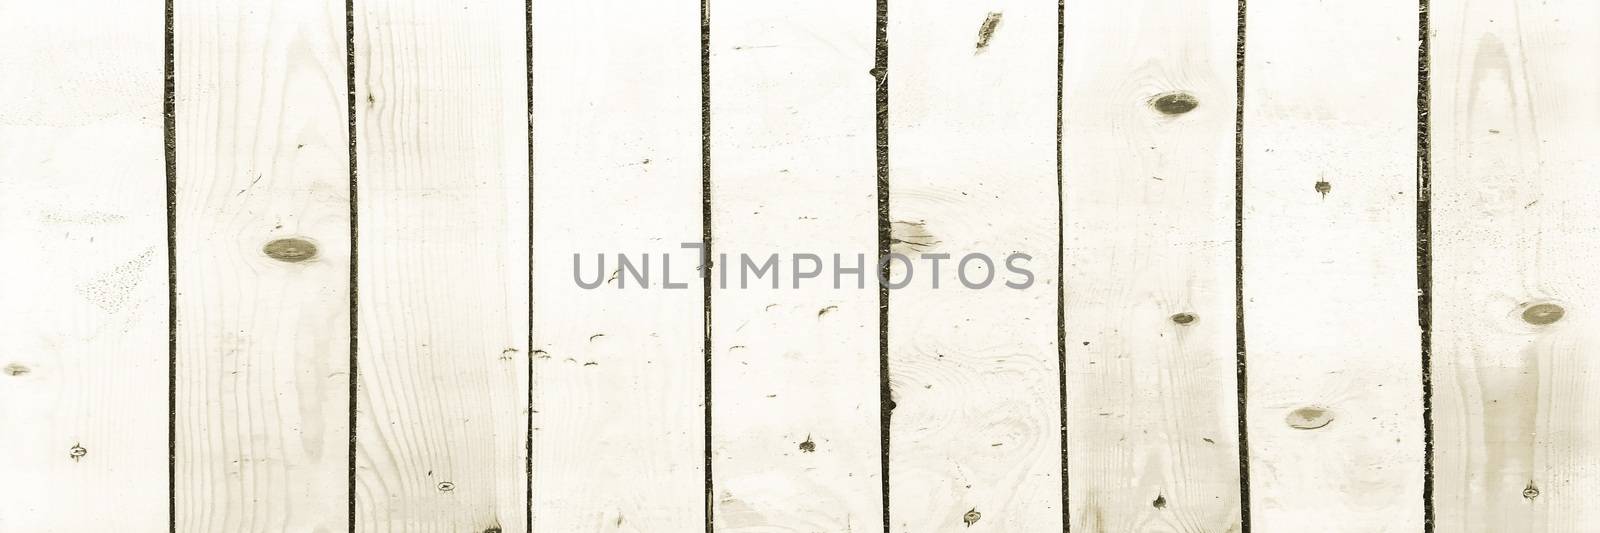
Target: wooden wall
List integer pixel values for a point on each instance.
(309, 266)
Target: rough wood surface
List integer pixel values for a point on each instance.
(619, 434)
(975, 427)
(83, 306)
(1515, 384)
(1152, 420)
(441, 119)
(263, 244)
(1330, 276)
(795, 369)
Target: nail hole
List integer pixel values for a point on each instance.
(77, 452)
(808, 446)
(1531, 492)
(1160, 503)
(290, 250)
(1323, 188)
(1174, 103)
(1543, 314)
(1184, 319)
(1309, 417)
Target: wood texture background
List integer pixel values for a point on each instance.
(309, 266)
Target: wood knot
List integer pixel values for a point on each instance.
(1174, 103)
(1543, 314)
(446, 486)
(971, 516)
(1309, 417)
(1160, 502)
(1184, 319)
(17, 369)
(290, 250)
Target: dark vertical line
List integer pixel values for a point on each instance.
(880, 71)
(705, 235)
(1425, 255)
(169, 123)
(1240, 372)
(354, 375)
(1061, 260)
(527, 450)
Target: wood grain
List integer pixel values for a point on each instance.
(975, 428)
(441, 107)
(1515, 385)
(1148, 198)
(795, 369)
(83, 308)
(263, 341)
(619, 431)
(1330, 276)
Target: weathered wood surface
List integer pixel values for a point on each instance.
(1515, 384)
(1152, 421)
(1333, 347)
(973, 374)
(442, 212)
(619, 435)
(1400, 227)
(263, 246)
(795, 368)
(83, 305)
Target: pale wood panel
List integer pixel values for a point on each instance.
(83, 309)
(441, 107)
(263, 243)
(619, 434)
(973, 372)
(1515, 384)
(795, 392)
(1148, 196)
(1330, 276)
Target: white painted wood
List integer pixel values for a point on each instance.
(1330, 278)
(1148, 195)
(1514, 383)
(795, 370)
(973, 373)
(619, 435)
(83, 305)
(263, 342)
(441, 107)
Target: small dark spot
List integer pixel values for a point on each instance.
(492, 530)
(1309, 417)
(591, 363)
(986, 30)
(77, 452)
(446, 486)
(1543, 314)
(290, 250)
(596, 336)
(1160, 503)
(1531, 492)
(1208, 441)
(1323, 187)
(371, 100)
(825, 310)
(1184, 319)
(808, 446)
(17, 369)
(971, 517)
(1174, 103)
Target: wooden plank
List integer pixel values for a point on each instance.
(83, 314)
(441, 107)
(1330, 277)
(975, 428)
(1514, 337)
(1148, 200)
(263, 243)
(795, 392)
(619, 422)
